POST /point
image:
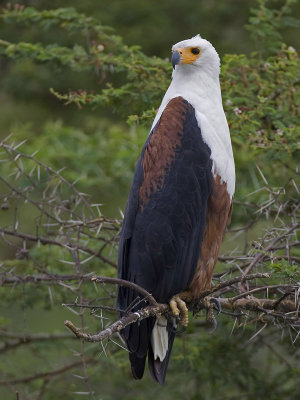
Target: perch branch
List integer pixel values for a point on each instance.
(254, 304)
(118, 325)
(265, 305)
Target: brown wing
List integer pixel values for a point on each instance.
(218, 215)
(164, 223)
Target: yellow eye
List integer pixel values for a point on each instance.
(195, 50)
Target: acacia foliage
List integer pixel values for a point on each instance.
(259, 91)
(261, 99)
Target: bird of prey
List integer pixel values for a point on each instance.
(179, 204)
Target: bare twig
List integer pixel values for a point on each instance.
(230, 282)
(261, 255)
(60, 243)
(131, 285)
(38, 279)
(48, 374)
(119, 325)
(259, 289)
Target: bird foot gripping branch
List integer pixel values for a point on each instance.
(179, 309)
(209, 302)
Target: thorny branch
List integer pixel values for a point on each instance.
(120, 324)
(42, 240)
(80, 246)
(266, 306)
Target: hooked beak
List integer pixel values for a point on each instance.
(176, 58)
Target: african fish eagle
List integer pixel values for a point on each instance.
(179, 204)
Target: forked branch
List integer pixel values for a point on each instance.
(270, 307)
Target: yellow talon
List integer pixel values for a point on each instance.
(173, 306)
(179, 309)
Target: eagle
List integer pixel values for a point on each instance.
(179, 204)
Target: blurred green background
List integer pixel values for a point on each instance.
(29, 110)
(98, 147)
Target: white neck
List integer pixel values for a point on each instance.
(201, 88)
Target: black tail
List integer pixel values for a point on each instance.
(137, 337)
(138, 341)
(137, 365)
(157, 368)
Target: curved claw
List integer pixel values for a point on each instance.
(176, 320)
(173, 322)
(213, 327)
(217, 303)
(174, 326)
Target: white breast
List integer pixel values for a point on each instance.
(204, 94)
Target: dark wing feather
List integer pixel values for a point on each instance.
(165, 217)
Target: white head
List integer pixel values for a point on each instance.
(195, 53)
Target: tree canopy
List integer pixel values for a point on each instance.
(78, 98)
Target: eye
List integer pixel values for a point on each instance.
(195, 50)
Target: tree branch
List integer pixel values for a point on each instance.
(131, 285)
(52, 242)
(260, 256)
(47, 279)
(230, 282)
(254, 304)
(118, 325)
(47, 374)
(13, 340)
